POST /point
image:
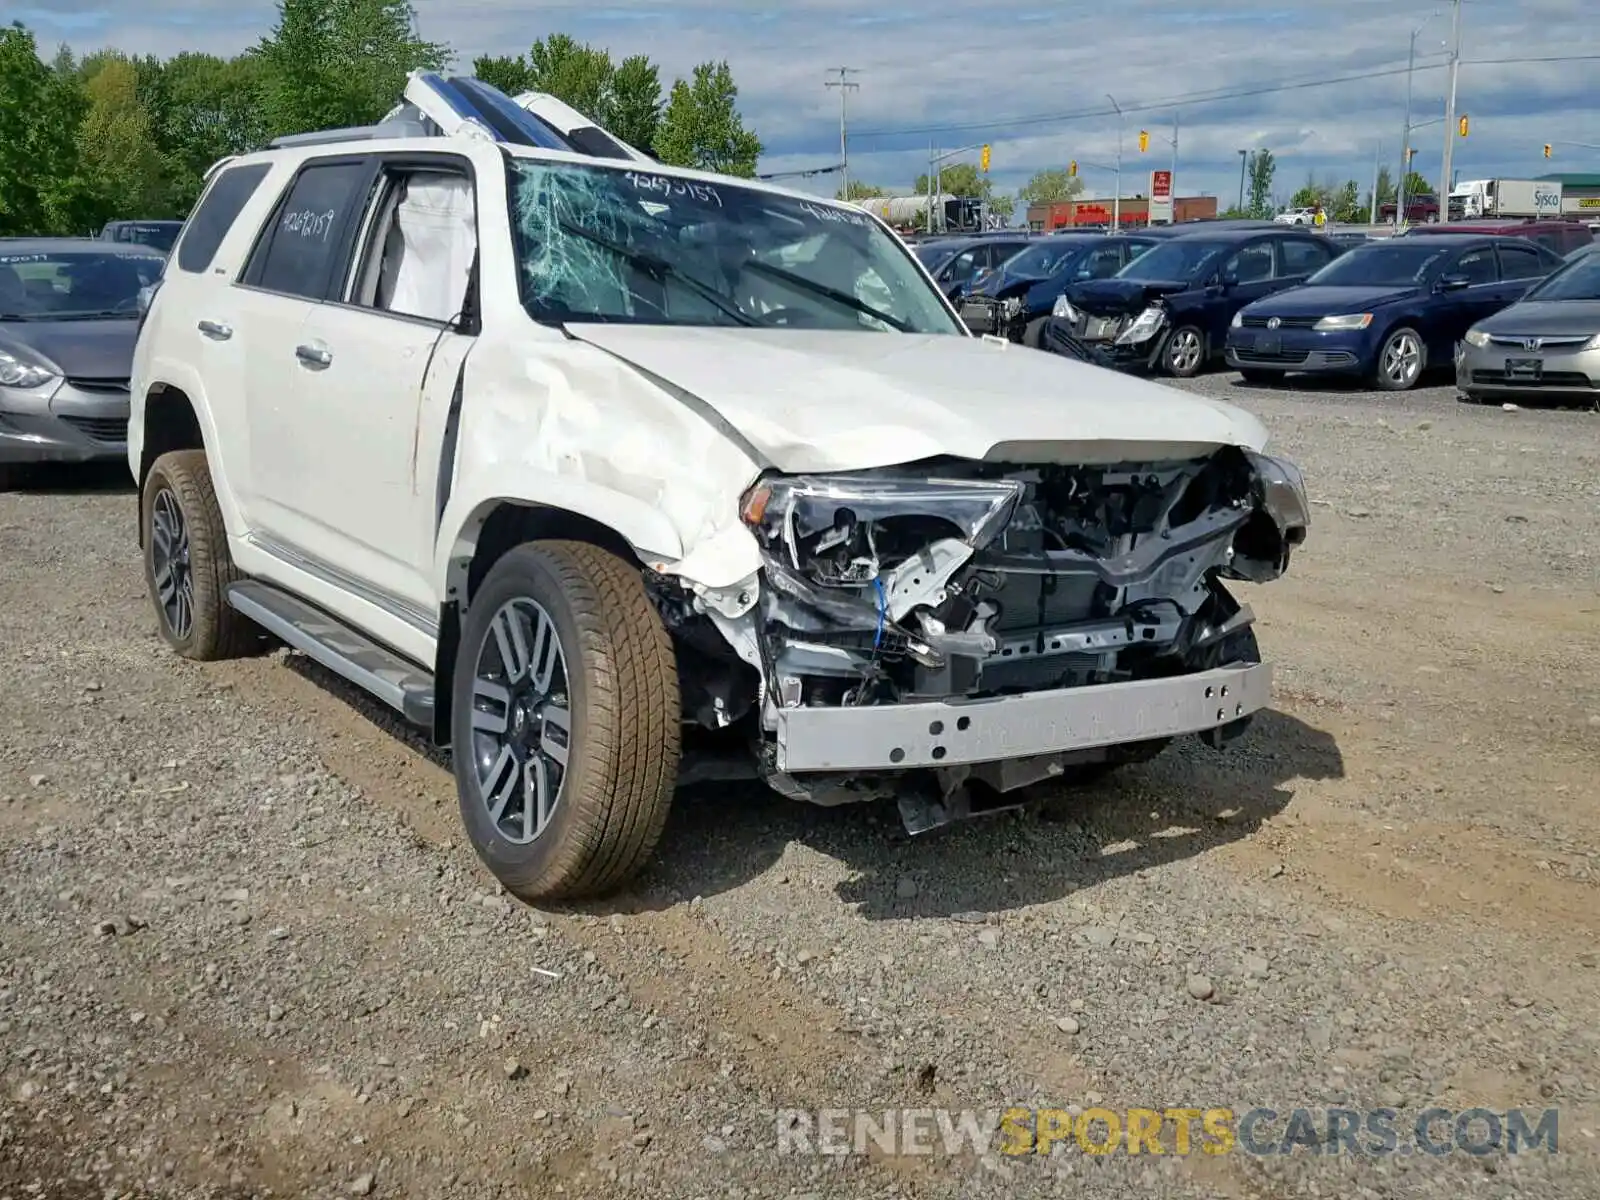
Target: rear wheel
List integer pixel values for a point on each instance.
(565, 721)
(1185, 352)
(1401, 359)
(187, 566)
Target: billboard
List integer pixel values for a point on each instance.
(1160, 197)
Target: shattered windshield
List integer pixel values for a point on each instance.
(602, 243)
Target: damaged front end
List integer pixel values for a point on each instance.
(998, 623)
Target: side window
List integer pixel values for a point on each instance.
(1302, 258)
(421, 239)
(305, 239)
(961, 269)
(1521, 262)
(1101, 263)
(1252, 264)
(229, 192)
(1476, 265)
(1000, 254)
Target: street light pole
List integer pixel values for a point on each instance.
(1244, 157)
(845, 87)
(1450, 113)
(1405, 139)
(1377, 156)
(1116, 199)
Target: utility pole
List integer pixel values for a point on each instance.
(845, 88)
(1405, 139)
(1450, 113)
(1172, 175)
(1244, 158)
(1116, 201)
(1377, 157)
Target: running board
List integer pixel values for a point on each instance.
(400, 684)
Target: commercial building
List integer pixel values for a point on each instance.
(1135, 211)
(1580, 194)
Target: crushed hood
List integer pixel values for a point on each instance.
(1113, 296)
(814, 400)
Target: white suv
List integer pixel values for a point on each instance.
(595, 468)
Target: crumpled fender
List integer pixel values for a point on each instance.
(556, 422)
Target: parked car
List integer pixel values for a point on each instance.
(1386, 311)
(558, 455)
(1419, 209)
(1548, 342)
(955, 262)
(1169, 308)
(1016, 299)
(1560, 236)
(69, 314)
(158, 235)
(1296, 216)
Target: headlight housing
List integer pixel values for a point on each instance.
(1476, 337)
(843, 530)
(1238, 320)
(1063, 308)
(1593, 343)
(19, 373)
(1144, 326)
(1344, 321)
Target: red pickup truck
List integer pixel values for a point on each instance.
(1421, 208)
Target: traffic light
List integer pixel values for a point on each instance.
(983, 159)
(1547, 149)
(1144, 140)
(1463, 125)
(1072, 167)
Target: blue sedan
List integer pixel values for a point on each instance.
(1385, 311)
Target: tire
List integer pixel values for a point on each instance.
(187, 567)
(1388, 374)
(614, 665)
(1033, 335)
(1255, 375)
(1184, 354)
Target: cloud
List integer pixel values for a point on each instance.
(955, 83)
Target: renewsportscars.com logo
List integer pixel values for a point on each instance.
(1258, 1132)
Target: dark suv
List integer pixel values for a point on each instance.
(1169, 309)
(1014, 300)
(1563, 237)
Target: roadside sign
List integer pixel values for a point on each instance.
(1160, 196)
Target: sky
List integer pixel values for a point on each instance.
(1032, 79)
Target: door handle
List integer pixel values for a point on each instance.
(216, 330)
(313, 356)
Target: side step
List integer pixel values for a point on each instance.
(402, 685)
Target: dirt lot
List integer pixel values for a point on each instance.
(245, 951)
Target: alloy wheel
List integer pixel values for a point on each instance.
(1183, 352)
(169, 560)
(1402, 359)
(521, 721)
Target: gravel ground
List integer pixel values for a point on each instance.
(244, 949)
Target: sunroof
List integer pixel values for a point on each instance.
(472, 99)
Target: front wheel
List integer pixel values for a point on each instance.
(1185, 352)
(1033, 335)
(1400, 360)
(565, 721)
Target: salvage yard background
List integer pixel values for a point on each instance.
(243, 945)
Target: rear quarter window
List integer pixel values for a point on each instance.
(216, 213)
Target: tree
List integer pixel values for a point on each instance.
(205, 108)
(634, 113)
(42, 189)
(956, 179)
(507, 73)
(332, 63)
(1346, 207)
(1003, 208)
(1262, 168)
(1050, 186)
(116, 143)
(701, 126)
(1416, 185)
(858, 190)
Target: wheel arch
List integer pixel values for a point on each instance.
(170, 421)
(493, 528)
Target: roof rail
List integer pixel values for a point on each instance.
(398, 124)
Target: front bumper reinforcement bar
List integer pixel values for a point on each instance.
(945, 733)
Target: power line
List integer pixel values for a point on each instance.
(1207, 97)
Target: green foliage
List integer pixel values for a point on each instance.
(1050, 187)
(956, 179)
(1416, 185)
(1259, 189)
(859, 191)
(105, 136)
(1003, 207)
(701, 126)
(624, 98)
(1345, 206)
